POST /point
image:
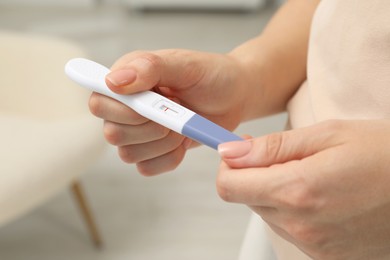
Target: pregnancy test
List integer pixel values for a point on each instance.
(151, 105)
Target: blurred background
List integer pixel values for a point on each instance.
(177, 215)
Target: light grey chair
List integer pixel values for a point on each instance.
(48, 138)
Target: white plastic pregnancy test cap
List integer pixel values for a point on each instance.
(151, 105)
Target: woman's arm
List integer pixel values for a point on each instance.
(275, 61)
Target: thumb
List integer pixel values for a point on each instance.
(141, 71)
(277, 148)
(137, 75)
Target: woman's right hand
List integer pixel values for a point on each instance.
(212, 85)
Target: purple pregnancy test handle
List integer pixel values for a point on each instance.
(206, 132)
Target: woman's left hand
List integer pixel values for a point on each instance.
(324, 188)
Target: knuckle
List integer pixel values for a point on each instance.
(133, 118)
(170, 162)
(273, 144)
(95, 105)
(154, 59)
(146, 169)
(154, 131)
(223, 188)
(112, 133)
(302, 201)
(127, 154)
(306, 234)
(299, 199)
(334, 132)
(174, 159)
(299, 195)
(159, 131)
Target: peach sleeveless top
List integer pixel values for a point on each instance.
(348, 73)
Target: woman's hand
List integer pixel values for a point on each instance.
(255, 79)
(324, 188)
(212, 85)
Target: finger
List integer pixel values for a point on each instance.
(164, 163)
(122, 134)
(109, 109)
(140, 74)
(238, 186)
(280, 147)
(146, 151)
(279, 186)
(140, 71)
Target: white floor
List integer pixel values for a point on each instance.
(173, 216)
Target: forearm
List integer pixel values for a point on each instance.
(275, 62)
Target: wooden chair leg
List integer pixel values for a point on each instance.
(80, 198)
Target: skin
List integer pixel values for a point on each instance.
(323, 188)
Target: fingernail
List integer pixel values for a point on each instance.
(121, 77)
(234, 149)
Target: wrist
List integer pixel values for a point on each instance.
(252, 68)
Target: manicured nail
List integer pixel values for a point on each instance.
(121, 77)
(234, 149)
